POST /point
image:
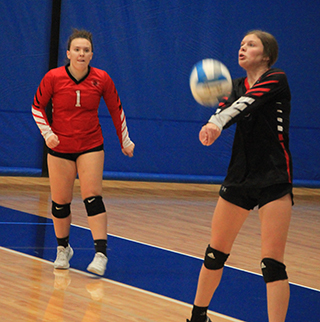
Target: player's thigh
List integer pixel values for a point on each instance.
(90, 171)
(62, 173)
(275, 219)
(226, 222)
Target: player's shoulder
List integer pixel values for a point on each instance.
(276, 73)
(55, 73)
(100, 76)
(97, 72)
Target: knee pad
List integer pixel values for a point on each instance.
(94, 205)
(273, 270)
(214, 259)
(60, 211)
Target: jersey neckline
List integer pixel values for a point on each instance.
(74, 79)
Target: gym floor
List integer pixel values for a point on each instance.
(157, 236)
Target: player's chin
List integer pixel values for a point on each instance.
(242, 63)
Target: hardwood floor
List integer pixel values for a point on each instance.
(168, 215)
(177, 217)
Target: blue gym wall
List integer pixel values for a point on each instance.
(149, 47)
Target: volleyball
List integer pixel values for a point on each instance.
(210, 80)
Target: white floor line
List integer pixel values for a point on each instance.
(172, 251)
(122, 285)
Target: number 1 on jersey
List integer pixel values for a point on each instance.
(78, 99)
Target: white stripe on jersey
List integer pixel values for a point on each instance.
(124, 131)
(44, 127)
(221, 118)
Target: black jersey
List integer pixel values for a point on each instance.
(260, 152)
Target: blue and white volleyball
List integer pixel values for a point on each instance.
(210, 80)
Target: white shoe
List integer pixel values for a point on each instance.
(99, 264)
(64, 254)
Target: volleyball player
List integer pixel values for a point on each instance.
(259, 174)
(75, 143)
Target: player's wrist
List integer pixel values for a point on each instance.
(214, 121)
(47, 135)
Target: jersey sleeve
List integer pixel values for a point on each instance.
(266, 89)
(40, 101)
(116, 111)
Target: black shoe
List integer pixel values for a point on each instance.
(207, 320)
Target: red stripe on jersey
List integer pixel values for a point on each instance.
(223, 101)
(246, 83)
(280, 136)
(266, 83)
(258, 90)
(275, 73)
(222, 104)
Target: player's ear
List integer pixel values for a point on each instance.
(68, 54)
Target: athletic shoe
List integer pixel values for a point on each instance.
(207, 320)
(64, 254)
(98, 265)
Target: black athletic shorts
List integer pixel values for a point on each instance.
(248, 198)
(73, 156)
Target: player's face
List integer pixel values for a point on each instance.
(251, 53)
(80, 53)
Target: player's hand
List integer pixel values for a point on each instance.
(52, 141)
(209, 133)
(128, 151)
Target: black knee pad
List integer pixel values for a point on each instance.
(273, 270)
(214, 259)
(60, 211)
(94, 205)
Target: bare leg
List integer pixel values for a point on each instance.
(278, 294)
(208, 282)
(226, 223)
(98, 226)
(62, 174)
(275, 220)
(90, 168)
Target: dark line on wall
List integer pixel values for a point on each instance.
(53, 63)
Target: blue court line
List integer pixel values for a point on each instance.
(240, 295)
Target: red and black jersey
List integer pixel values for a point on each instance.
(260, 153)
(75, 109)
